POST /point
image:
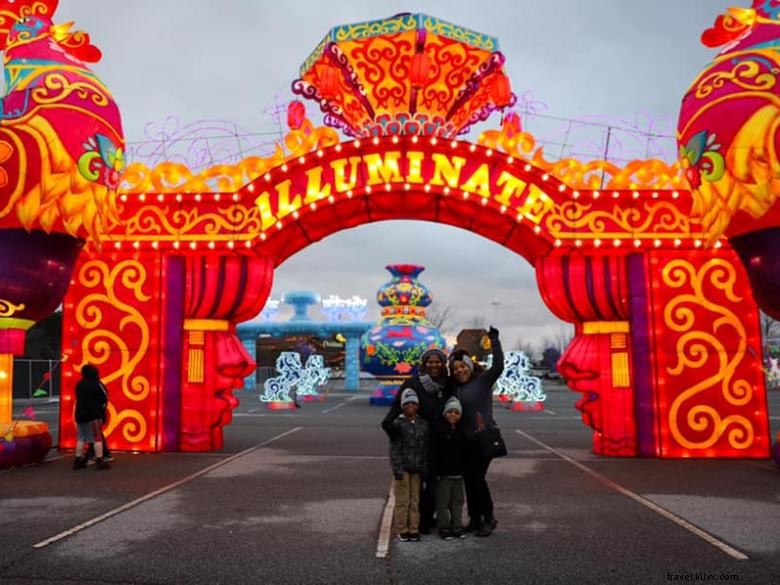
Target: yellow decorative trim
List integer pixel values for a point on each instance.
(6, 387)
(16, 323)
(7, 308)
(618, 341)
(195, 373)
(597, 327)
(196, 356)
(621, 375)
(206, 325)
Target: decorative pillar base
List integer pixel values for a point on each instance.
(23, 442)
(384, 395)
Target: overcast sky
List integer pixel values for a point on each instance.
(622, 62)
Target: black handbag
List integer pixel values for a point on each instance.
(492, 443)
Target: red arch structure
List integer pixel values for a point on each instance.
(667, 352)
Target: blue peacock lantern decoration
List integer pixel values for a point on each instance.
(391, 350)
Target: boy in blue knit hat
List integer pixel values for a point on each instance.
(408, 458)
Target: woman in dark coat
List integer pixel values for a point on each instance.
(474, 389)
(433, 389)
(91, 403)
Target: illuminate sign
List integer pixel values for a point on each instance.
(451, 173)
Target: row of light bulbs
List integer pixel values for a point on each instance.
(446, 190)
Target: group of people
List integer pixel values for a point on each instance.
(435, 425)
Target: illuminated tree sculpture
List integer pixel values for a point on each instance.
(61, 148)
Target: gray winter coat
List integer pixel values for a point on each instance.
(409, 452)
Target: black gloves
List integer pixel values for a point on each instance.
(493, 334)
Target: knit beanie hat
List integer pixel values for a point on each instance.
(453, 404)
(466, 360)
(430, 353)
(408, 396)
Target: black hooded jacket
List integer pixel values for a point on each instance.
(91, 400)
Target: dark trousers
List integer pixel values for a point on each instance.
(478, 500)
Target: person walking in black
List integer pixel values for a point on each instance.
(91, 402)
(433, 389)
(474, 389)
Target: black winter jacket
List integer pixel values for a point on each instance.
(476, 396)
(409, 451)
(91, 401)
(448, 450)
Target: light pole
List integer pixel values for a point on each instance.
(495, 304)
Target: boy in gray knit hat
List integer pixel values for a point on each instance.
(449, 447)
(408, 458)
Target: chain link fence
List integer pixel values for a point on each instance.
(36, 378)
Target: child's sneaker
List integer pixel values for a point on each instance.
(79, 463)
(414, 537)
(100, 464)
(404, 537)
(458, 533)
(109, 457)
(446, 534)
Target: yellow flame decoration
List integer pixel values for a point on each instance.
(171, 177)
(591, 175)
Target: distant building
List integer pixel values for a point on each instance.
(475, 342)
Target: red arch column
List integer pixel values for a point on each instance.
(220, 292)
(160, 326)
(591, 292)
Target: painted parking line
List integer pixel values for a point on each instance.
(348, 400)
(706, 536)
(550, 412)
(386, 526)
(158, 492)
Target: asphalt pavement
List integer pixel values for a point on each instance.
(300, 497)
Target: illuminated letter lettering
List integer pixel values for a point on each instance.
(263, 203)
(449, 170)
(285, 206)
(513, 187)
(338, 167)
(479, 181)
(314, 189)
(415, 166)
(383, 171)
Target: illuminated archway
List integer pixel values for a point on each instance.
(626, 266)
(667, 350)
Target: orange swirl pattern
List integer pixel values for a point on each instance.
(648, 219)
(702, 321)
(387, 86)
(115, 293)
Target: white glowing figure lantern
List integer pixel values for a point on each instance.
(292, 376)
(515, 384)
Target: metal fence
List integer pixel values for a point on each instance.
(36, 378)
